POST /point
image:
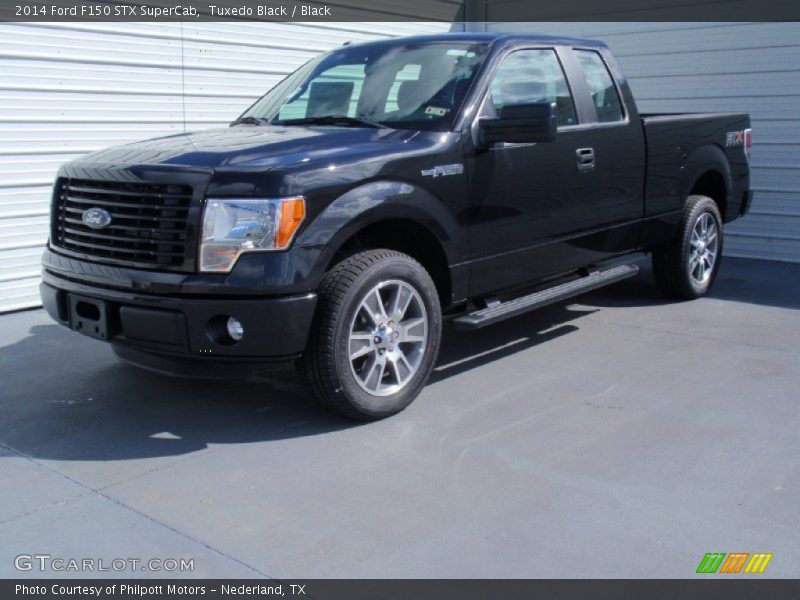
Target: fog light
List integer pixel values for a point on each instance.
(235, 329)
(225, 330)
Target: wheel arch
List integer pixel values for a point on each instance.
(397, 216)
(409, 237)
(708, 173)
(712, 184)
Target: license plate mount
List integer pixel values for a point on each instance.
(88, 316)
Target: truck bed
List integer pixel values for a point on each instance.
(682, 147)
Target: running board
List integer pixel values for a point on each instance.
(505, 310)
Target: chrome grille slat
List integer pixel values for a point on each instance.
(120, 238)
(148, 230)
(118, 204)
(149, 222)
(136, 217)
(124, 250)
(122, 192)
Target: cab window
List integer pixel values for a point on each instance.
(533, 76)
(601, 85)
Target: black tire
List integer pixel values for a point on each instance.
(671, 262)
(326, 365)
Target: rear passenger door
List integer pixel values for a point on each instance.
(614, 138)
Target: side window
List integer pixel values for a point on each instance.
(529, 76)
(604, 92)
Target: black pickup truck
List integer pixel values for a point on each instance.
(377, 190)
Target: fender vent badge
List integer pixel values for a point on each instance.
(442, 170)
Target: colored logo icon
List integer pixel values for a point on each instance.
(735, 562)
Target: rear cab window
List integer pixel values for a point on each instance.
(605, 96)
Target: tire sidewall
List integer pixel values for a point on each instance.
(410, 272)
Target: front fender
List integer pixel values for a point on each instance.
(377, 201)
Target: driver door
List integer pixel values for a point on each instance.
(528, 199)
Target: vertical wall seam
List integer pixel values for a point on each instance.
(183, 76)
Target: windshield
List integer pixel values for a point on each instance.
(408, 86)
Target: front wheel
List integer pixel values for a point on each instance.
(686, 267)
(375, 336)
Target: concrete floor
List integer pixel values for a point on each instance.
(619, 436)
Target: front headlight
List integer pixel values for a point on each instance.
(234, 226)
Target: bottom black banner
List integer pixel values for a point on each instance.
(396, 589)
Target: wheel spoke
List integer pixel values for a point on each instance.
(392, 364)
(412, 330)
(373, 304)
(375, 374)
(403, 361)
(360, 347)
(365, 371)
(400, 302)
(365, 309)
(400, 365)
(379, 301)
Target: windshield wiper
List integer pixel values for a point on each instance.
(343, 120)
(250, 121)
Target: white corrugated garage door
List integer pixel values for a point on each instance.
(71, 88)
(709, 67)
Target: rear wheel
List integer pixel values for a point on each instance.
(687, 267)
(375, 337)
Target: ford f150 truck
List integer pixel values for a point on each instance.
(373, 192)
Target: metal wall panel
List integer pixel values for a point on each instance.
(710, 67)
(71, 88)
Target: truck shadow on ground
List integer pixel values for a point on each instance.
(766, 283)
(465, 350)
(67, 397)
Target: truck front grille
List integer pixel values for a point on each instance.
(148, 226)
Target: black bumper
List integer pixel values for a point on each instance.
(182, 328)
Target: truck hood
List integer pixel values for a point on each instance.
(252, 147)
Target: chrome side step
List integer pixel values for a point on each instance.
(505, 310)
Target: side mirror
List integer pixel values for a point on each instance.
(520, 123)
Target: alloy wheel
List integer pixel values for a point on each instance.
(703, 248)
(388, 336)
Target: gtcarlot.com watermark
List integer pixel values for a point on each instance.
(46, 563)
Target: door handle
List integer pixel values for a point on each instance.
(585, 159)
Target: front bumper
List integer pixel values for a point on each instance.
(275, 328)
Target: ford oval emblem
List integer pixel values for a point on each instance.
(96, 218)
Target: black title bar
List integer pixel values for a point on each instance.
(450, 11)
(713, 588)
